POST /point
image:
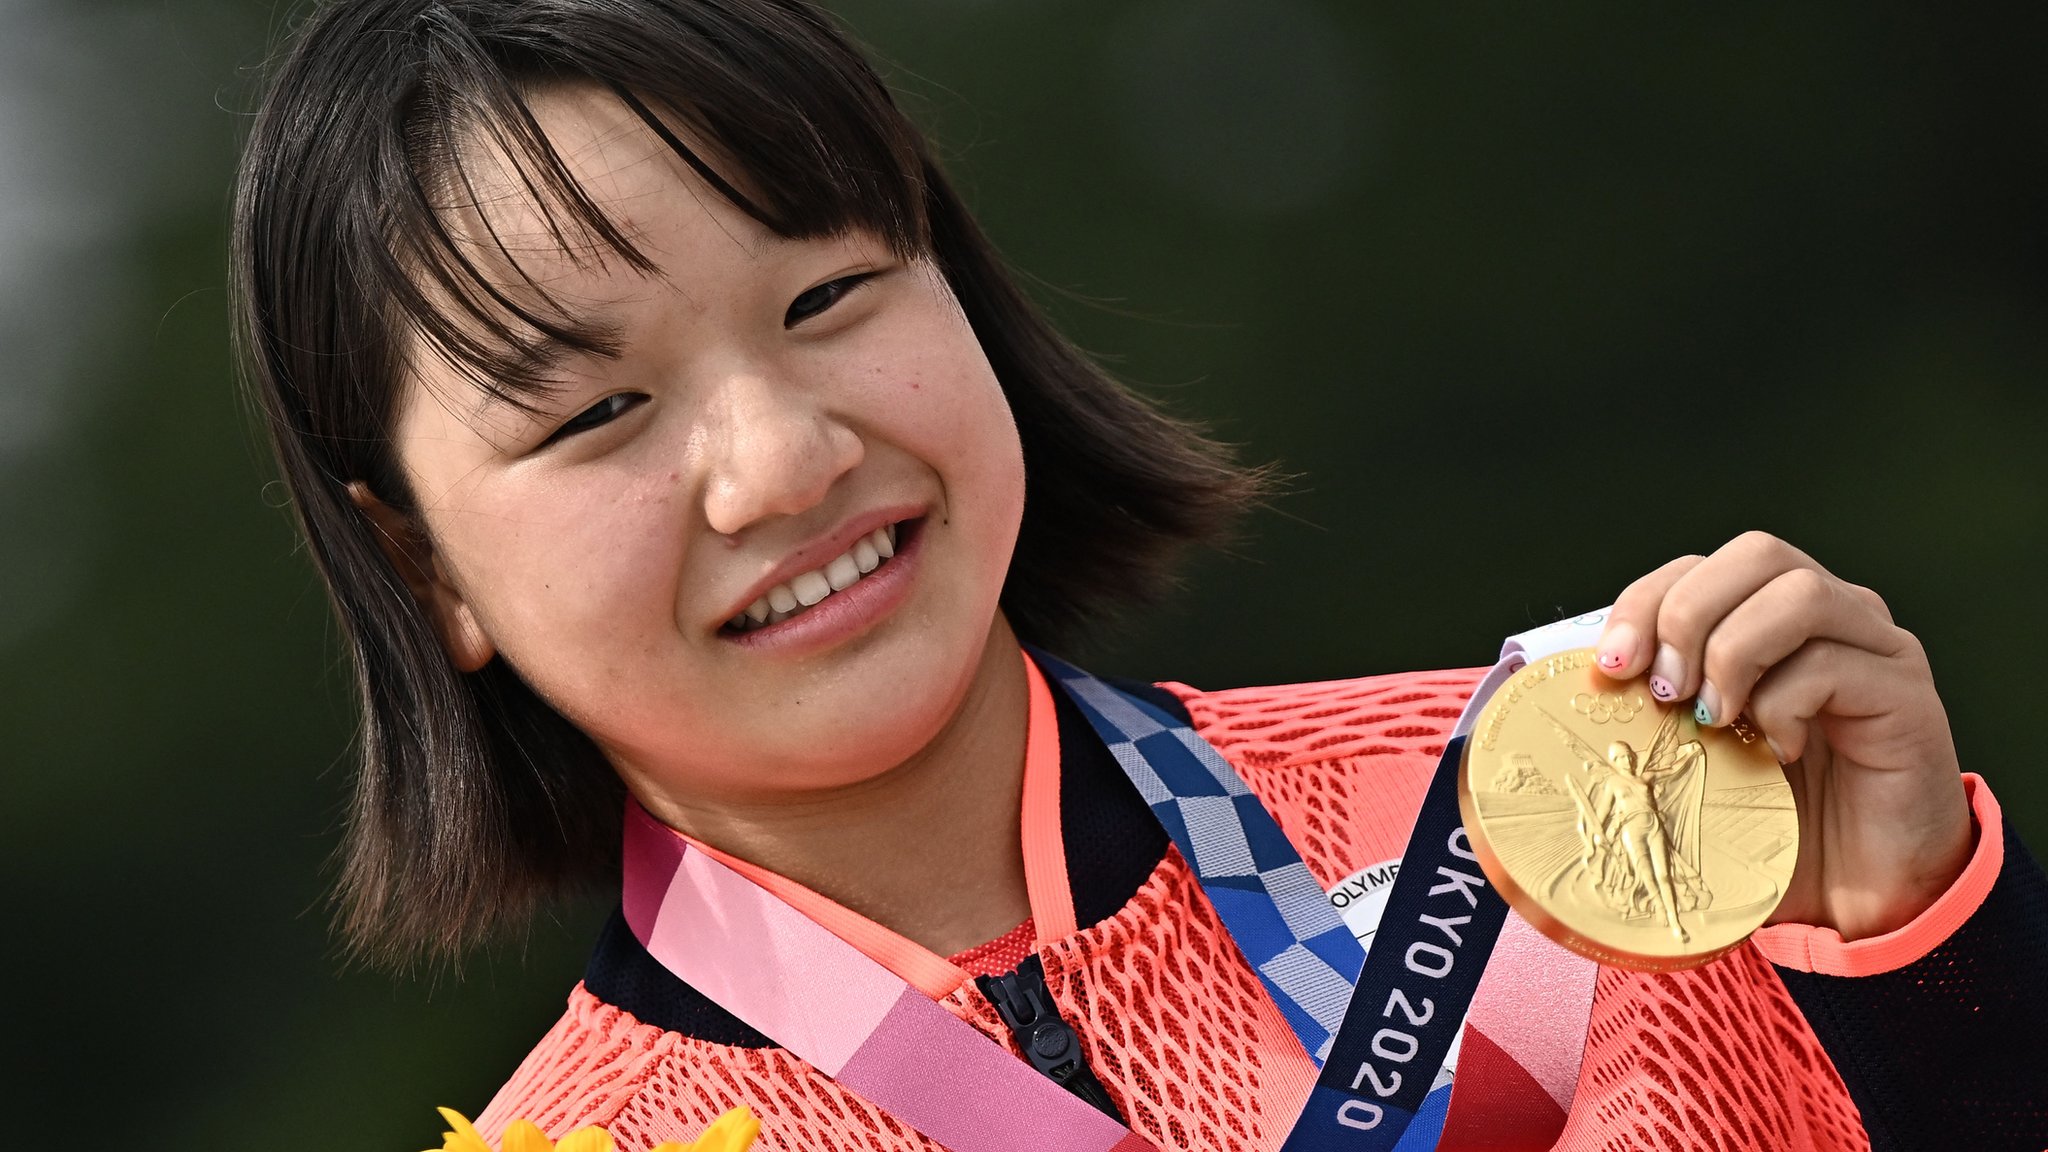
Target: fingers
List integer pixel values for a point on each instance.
(1852, 685)
(1629, 639)
(1698, 604)
(1669, 613)
(1788, 615)
(1710, 627)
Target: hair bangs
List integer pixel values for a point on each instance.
(804, 151)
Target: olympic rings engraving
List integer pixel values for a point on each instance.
(1600, 707)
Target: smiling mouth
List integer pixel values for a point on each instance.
(799, 594)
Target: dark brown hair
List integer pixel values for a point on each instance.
(474, 799)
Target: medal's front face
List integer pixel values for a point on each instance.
(1620, 827)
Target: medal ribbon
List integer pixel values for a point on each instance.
(851, 1018)
(826, 1001)
(1272, 906)
(1434, 940)
(1381, 1090)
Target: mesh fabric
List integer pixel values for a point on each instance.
(1176, 1025)
(1001, 954)
(1172, 1021)
(1715, 1057)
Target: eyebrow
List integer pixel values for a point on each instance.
(522, 364)
(542, 354)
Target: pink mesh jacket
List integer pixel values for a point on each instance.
(1175, 1024)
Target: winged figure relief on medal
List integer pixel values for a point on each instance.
(1632, 827)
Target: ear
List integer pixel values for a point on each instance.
(406, 546)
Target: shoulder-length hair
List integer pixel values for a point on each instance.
(473, 799)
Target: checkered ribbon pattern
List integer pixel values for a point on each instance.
(1272, 906)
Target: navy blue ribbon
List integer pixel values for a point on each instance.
(1380, 1025)
(1439, 928)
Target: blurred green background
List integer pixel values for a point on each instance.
(1533, 298)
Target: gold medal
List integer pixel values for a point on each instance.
(1617, 825)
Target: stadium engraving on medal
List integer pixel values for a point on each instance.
(1618, 826)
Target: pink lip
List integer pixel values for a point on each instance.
(844, 614)
(819, 552)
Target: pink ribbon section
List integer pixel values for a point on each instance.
(1525, 1039)
(845, 1014)
(763, 960)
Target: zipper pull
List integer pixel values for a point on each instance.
(1047, 1040)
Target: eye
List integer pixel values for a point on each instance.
(603, 412)
(816, 300)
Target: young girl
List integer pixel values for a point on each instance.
(686, 472)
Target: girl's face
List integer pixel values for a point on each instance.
(776, 405)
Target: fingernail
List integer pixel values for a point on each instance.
(1776, 752)
(1665, 673)
(1618, 647)
(1707, 705)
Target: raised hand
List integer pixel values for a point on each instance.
(1846, 699)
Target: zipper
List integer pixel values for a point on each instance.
(1047, 1040)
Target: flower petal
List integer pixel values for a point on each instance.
(585, 1140)
(733, 1132)
(464, 1138)
(523, 1136)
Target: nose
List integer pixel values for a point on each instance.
(775, 451)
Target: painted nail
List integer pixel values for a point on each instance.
(1707, 705)
(1666, 671)
(1618, 647)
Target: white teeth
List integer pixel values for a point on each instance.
(810, 588)
(844, 571)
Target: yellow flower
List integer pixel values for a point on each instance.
(733, 1132)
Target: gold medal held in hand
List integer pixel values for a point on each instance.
(1619, 827)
